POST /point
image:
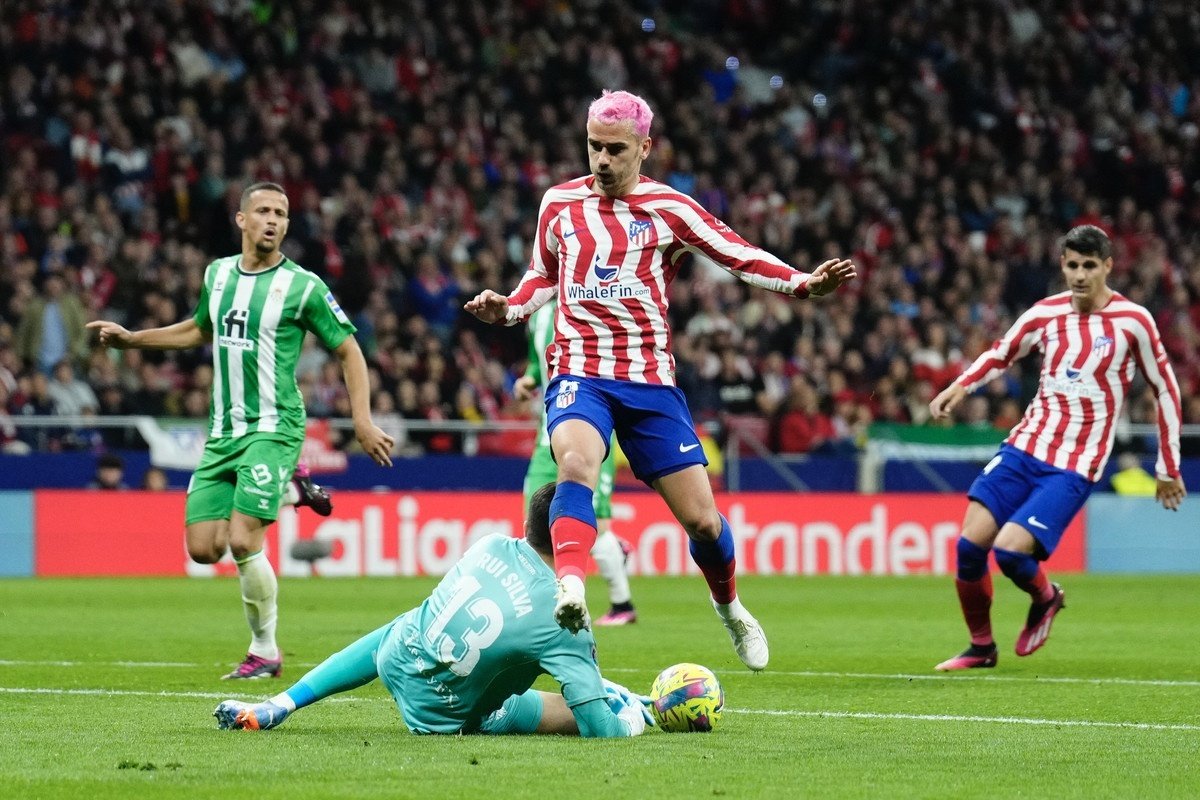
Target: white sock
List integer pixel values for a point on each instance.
(291, 494)
(573, 584)
(732, 610)
(610, 562)
(284, 701)
(259, 593)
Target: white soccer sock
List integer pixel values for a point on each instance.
(291, 494)
(259, 593)
(732, 610)
(610, 562)
(284, 701)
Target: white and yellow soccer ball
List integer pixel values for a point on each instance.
(686, 697)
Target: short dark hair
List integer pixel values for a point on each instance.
(537, 520)
(1088, 240)
(110, 461)
(254, 187)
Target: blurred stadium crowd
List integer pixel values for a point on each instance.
(945, 146)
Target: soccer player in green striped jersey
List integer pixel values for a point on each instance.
(255, 309)
(607, 552)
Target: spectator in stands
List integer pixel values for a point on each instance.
(952, 193)
(801, 427)
(434, 294)
(10, 442)
(154, 479)
(383, 411)
(1131, 479)
(52, 327)
(739, 386)
(110, 473)
(71, 396)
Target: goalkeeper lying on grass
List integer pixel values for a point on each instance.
(465, 659)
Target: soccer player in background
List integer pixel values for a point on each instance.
(1092, 340)
(255, 309)
(608, 552)
(607, 245)
(465, 659)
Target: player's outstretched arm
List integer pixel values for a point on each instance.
(180, 336)
(489, 306)
(1170, 493)
(597, 719)
(830, 275)
(947, 400)
(374, 441)
(619, 713)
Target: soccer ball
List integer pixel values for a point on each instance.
(686, 697)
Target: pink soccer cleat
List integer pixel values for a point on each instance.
(311, 495)
(253, 666)
(977, 656)
(615, 616)
(1037, 624)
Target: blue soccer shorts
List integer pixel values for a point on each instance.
(1016, 487)
(652, 421)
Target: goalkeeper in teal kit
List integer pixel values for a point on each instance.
(465, 659)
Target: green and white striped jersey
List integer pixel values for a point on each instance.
(541, 336)
(258, 321)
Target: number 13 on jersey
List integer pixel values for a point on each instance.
(485, 621)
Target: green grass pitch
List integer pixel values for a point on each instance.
(107, 689)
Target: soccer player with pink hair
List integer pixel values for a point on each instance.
(607, 245)
(1092, 340)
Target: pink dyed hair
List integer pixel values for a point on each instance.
(613, 108)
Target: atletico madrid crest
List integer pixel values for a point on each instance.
(640, 232)
(566, 393)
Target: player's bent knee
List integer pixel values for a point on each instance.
(204, 555)
(206, 541)
(701, 527)
(574, 466)
(242, 549)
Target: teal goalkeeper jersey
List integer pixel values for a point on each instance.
(485, 634)
(257, 322)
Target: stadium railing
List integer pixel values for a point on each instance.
(946, 463)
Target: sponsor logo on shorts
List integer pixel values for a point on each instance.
(688, 448)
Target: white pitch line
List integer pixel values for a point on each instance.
(10, 663)
(882, 676)
(1065, 723)
(137, 693)
(973, 676)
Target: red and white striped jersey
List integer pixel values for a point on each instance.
(1088, 363)
(610, 262)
